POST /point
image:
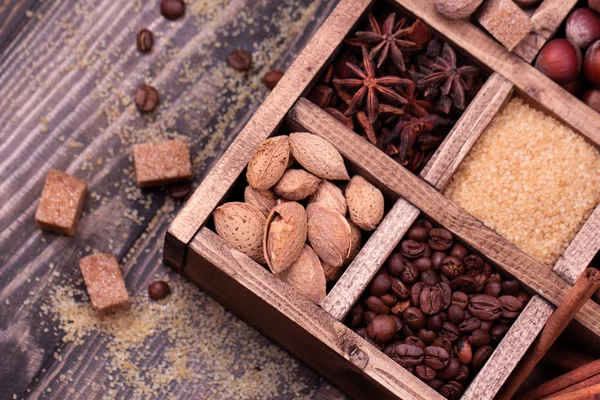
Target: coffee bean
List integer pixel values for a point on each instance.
(407, 331)
(158, 290)
(451, 371)
(461, 299)
(179, 191)
(487, 325)
(437, 259)
(426, 335)
(414, 318)
(440, 239)
(144, 41)
(452, 267)
(240, 60)
(464, 373)
(434, 322)
(412, 249)
(473, 264)
(424, 224)
(415, 293)
(272, 78)
(388, 347)
(487, 269)
(146, 98)
(410, 273)
(388, 299)
(172, 9)
(362, 332)
(400, 306)
(399, 323)
(485, 307)
(368, 316)
(407, 355)
(450, 331)
(510, 288)
(417, 233)
(524, 297)
(479, 338)
(395, 264)
(493, 288)
(375, 304)
(452, 390)
(429, 278)
(425, 372)
(399, 289)
(382, 329)
(446, 294)
(430, 300)
(415, 341)
(464, 283)
(436, 357)
(460, 251)
(435, 384)
(480, 281)
(443, 342)
(469, 325)
(354, 318)
(378, 346)
(498, 332)
(423, 264)
(511, 306)
(481, 356)
(463, 350)
(380, 284)
(456, 314)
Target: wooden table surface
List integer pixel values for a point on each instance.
(68, 70)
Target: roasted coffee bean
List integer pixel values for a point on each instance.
(240, 60)
(456, 314)
(389, 346)
(464, 283)
(172, 9)
(450, 331)
(479, 338)
(481, 356)
(443, 342)
(382, 329)
(412, 249)
(451, 371)
(464, 373)
(510, 288)
(493, 288)
(444, 316)
(446, 295)
(485, 307)
(426, 335)
(375, 304)
(480, 281)
(524, 297)
(434, 322)
(158, 290)
(461, 299)
(362, 332)
(469, 325)
(463, 350)
(424, 224)
(458, 250)
(407, 355)
(379, 346)
(435, 384)
(380, 284)
(410, 273)
(487, 325)
(430, 300)
(437, 259)
(414, 318)
(436, 357)
(498, 332)
(399, 307)
(368, 316)
(407, 331)
(425, 372)
(417, 233)
(388, 299)
(272, 78)
(511, 306)
(487, 269)
(440, 239)
(429, 278)
(354, 318)
(444, 278)
(399, 323)
(179, 191)
(144, 41)
(395, 264)
(423, 264)
(399, 289)
(452, 390)
(415, 293)
(146, 98)
(428, 252)
(415, 341)
(473, 264)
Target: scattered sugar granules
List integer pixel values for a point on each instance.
(531, 179)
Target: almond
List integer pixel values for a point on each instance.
(355, 242)
(268, 163)
(329, 234)
(330, 196)
(332, 273)
(264, 200)
(296, 184)
(241, 225)
(318, 156)
(457, 9)
(285, 235)
(306, 275)
(365, 203)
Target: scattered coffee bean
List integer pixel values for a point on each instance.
(144, 41)
(271, 78)
(146, 98)
(240, 60)
(179, 191)
(172, 9)
(158, 290)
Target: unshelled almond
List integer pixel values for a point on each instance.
(329, 234)
(457, 9)
(241, 225)
(318, 156)
(330, 196)
(365, 203)
(306, 275)
(333, 273)
(285, 235)
(268, 163)
(296, 184)
(263, 200)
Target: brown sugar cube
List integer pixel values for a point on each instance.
(61, 203)
(159, 163)
(505, 21)
(104, 282)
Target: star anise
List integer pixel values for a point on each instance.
(415, 106)
(450, 78)
(369, 86)
(386, 40)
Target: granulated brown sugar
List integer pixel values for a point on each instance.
(531, 179)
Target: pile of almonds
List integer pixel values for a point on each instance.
(295, 219)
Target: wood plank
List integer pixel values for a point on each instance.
(530, 81)
(264, 122)
(297, 324)
(12, 19)
(546, 20)
(386, 171)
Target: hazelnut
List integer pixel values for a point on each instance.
(457, 9)
(583, 27)
(560, 61)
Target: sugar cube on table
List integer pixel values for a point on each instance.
(104, 282)
(159, 163)
(61, 203)
(505, 21)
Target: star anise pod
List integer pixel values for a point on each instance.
(451, 78)
(369, 86)
(417, 107)
(386, 40)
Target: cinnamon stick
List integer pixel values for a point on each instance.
(575, 298)
(588, 393)
(566, 381)
(594, 380)
(566, 358)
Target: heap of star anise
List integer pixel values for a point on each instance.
(397, 87)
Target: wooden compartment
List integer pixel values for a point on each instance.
(316, 334)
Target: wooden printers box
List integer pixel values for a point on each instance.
(316, 334)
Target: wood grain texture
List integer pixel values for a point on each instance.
(387, 172)
(298, 324)
(530, 81)
(267, 118)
